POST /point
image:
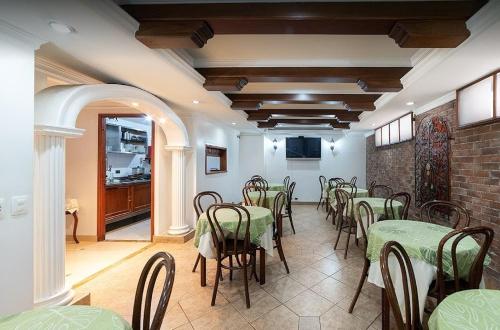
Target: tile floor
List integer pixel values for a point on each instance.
(139, 231)
(315, 295)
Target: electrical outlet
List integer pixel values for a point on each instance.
(19, 205)
(2, 207)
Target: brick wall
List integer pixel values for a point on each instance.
(475, 173)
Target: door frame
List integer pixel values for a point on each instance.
(101, 172)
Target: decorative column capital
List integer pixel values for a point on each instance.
(67, 132)
(178, 148)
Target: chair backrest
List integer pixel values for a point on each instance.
(289, 194)
(259, 192)
(476, 269)
(344, 200)
(249, 183)
(442, 212)
(349, 187)
(364, 207)
(286, 182)
(412, 313)
(371, 185)
(220, 238)
(160, 260)
(322, 182)
(333, 182)
(279, 203)
(390, 210)
(212, 196)
(255, 177)
(380, 190)
(353, 180)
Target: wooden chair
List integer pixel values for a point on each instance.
(349, 187)
(443, 285)
(238, 246)
(332, 183)
(159, 260)
(324, 195)
(446, 209)
(261, 200)
(214, 198)
(261, 183)
(353, 180)
(371, 185)
(279, 203)
(363, 207)
(380, 190)
(254, 177)
(412, 313)
(288, 211)
(390, 210)
(345, 217)
(286, 182)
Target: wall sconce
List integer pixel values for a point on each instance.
(275, 144)
(332, 144)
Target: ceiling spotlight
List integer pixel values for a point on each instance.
(61, 27)
(233, 124)
(410, 103)
(135, 104)
(196, 101)
(373, 125)
(162, 120)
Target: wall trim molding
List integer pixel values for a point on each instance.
(67, 132)
(61, 72)
(436, 103)
(180, 63)
(19, 36)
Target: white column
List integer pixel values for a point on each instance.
(179, 225)
(49, 225)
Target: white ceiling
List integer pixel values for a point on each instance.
(105, 47)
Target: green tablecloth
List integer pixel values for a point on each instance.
(276, 187)
(377, 205)
(260, 219)
(331, 194)
(468, 310)
(64, 317)
(268, 202)
(421, 240)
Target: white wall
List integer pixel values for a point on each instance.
(347, 160)
(16, 174)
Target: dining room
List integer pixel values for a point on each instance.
(250, 165)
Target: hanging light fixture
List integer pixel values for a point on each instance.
(275, 144)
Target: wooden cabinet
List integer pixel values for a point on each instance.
(127, 200)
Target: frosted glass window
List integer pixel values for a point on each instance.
(475, 103)
(406, 128)
(385, 135)
(394, 128)
(378, 137)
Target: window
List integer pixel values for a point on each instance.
(398, 130)
(215, 159)
(378, 137)
(476, 101)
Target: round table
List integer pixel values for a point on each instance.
(65, 317)
(276, 187)
(269, 201)
(469, 309)
(261, 229)
(377, 205)
(359, 193)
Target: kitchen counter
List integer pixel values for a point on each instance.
(127, 183)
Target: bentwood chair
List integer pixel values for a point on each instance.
(444, 286)
(365, 208)
(260, 192)
(380, 190)
(140, 315)
(445, 213)
(345, 217)
(353, 180)
(198, 202)
(349, 187)
(262, 183)
(371, 185)
(324, 194)
(390, 210)
(279, 203)
(286, 182)
(288, 211)
(256, 177)
(411, 320)
(236, 245)
(332, 183)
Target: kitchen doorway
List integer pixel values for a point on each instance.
(125, 178)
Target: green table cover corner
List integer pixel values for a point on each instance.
(378, 206)
(65, 317)
(276, 187)
(359, 193)
(268, 202)
(260, 219)
(468, 310)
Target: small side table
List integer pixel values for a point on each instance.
(72, 208)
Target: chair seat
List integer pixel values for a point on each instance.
(239, 246)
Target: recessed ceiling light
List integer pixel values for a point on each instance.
(196, 101)
(233, 124)
(409, 103)
(373, 124)
(162, 120)
(135, 104)
(61, 27)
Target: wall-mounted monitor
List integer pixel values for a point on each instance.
(303, 148)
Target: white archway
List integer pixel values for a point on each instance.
(56, 112)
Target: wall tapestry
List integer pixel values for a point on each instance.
(432, 162)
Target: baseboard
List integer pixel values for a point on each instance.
(82, 300)
(303, 203)
(177, 239)
(85, 238)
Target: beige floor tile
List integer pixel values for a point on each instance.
(366, 308)
(348, 275)
(138, 231)
(226, 317)
(309, 323)
(333, 290)
(337, 318)
(308, 276)
(309, 303)
(174, 318)
(195, 306)
(279, 318)
(285, 288)
(327, 266)
(261, 302)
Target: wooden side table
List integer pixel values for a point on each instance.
(75, 224)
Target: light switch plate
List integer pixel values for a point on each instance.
(2, 207)
(19, 205)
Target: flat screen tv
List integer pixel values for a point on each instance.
(303, 148)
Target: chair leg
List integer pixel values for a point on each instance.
(319, 203)
(348, 237)
(217, 277)
(339, 224)
(364, 273)
(328, 214)
(196, 263)
(282, 255)
(290, 217)
(231, 268)
(245, 279)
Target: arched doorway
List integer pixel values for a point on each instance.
(56, 111)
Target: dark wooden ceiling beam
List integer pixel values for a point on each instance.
(273, 122)
(342, 115)
(370, 79)
(353, 102)
(411, 23)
